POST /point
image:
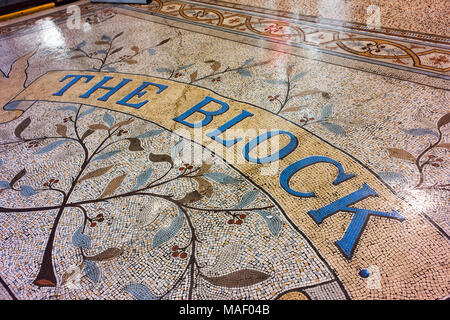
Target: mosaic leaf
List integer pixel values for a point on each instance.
(107, 38)
(117, 35)
(226, 257)
(116, 50)
(163, 70)
(163, 42)
(299, 76)
(108, 119)
(244, 72)
(98, 126)
(101, 43)
(85, 113)
(92, 271)
(215, 65)
(238, 279)
(334, 128)
(122, 123)
(160, 158)
(401, 154)
(87, 133)
(152, 51)
(273, 222)
(81, 44)
(27, 191)
(443, 120)
(96, 173)
(131, 61)
(17, 177)
(69, 108)
(150, 133)
(106, 155)
(167, 233)
(221, 177)
(142, 178)
(187, 66)
(135, 49)
(204, 187)
(113, 185)
(191, 197)
(247, 62)
(248, 198)
(102, 51)
(393, 176)
(193, 75)
(108, 254)
(204, 168)
(420, 132)
(21, 127)
(4, 184)
(52, 146)
(326, 112)
(61, 130)
(81, 240)
(177, 148)
(140, 292)
(441, 145)
(135, 144)
(277, 81)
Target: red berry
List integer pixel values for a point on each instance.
(231, 221)
(239, 222)
(100, 215)
(46, 184)
(311, 118)
(183, 255)
(175, 254)
(175, 248)
(439, 159)
(181, 168)
(190, 167)
(435, 165)
(242, 216)
(100, 220)
(431, 156)
(93, 224)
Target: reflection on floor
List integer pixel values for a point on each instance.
(219, 150)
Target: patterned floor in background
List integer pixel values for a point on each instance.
(210, 150)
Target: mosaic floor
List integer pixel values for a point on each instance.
(225, 150)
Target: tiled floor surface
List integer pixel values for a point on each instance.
(226, 150)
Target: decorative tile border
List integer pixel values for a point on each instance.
(419, 56)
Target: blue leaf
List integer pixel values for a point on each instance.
(140, 292)
(4, 184)
(334, 128)
(299, 76)
(91, 271)
(142, 178)
(185, 67)
(244, 72)
(150, 133)
(12, 105)
(326, 112)
(393, 176)
(85, 113)
(247, 62)
(108, 119)
(1, 162)
(105, 37)
(167, 233)
(111, 69)
(27, 191)
(152, 51)
(102, 51)
(177, 148)
(248, 198)
(81, 240)
(420, 132)
(221, 177)
(162, 70)
(106, 155)
(81, 44)
(273, 222)
(277, 81)
(69, 108)
(51, 146)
